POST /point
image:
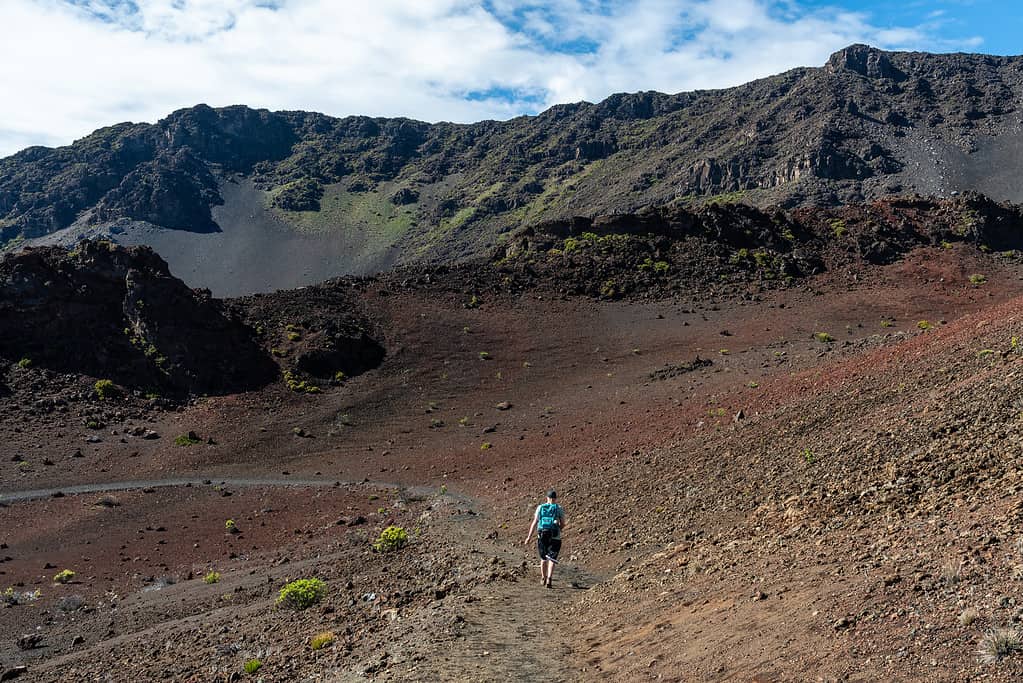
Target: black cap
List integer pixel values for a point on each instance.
(552, 494)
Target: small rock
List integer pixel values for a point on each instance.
(11, 674)
(842, 623)
(149, 435)
(30, 641)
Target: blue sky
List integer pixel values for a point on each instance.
(68, 67)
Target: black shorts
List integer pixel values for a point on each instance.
(547, 545)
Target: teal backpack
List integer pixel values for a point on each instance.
(550, 513)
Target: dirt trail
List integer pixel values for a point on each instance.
(515, 631)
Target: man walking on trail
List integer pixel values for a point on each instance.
(548, 521)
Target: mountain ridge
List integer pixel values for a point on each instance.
(865, 125)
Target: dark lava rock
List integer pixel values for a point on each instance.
(118, 313)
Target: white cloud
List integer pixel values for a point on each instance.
(70, 66)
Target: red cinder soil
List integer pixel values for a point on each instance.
(786, 512)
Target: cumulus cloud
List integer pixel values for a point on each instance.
(70, 66)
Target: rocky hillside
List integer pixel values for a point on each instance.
(118, 315)
(865, 125)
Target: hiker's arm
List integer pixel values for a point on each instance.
(563, 522)
(532, 527)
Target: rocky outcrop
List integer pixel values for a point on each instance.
(118, 314)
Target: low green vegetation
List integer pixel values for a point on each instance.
(25, 363)
(211, 577)
(231, 526)
(63, 576)
(302, 593)
(11, 597)
(252, 666)
(656, 267)
(392, 538)
(322, 640)
(978, 279)
(189, 439)
(299, 385)
(105, 389)
(924, 325)
(823, 337)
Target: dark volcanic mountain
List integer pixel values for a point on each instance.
(237, 199)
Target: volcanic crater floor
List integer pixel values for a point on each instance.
(798, 508)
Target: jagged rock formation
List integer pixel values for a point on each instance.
(117, 313)
(865, 125)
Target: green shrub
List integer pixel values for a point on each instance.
(231, 526)
(302, 593)
(924, 325)
(339, 376)
(12, 597)
(484, 355)
(105, 389)
(658, 267)
(252, 666)
(978, 279)
(25, 363)
(823, 337)
(211, 577)
(63, 576)
(189, 439)
(297, 385)
(392, 538)
(321, 640)
(485, 446)
(294, 336)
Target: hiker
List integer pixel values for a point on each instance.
(548, 521)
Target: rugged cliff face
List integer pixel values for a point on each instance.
(865, 125)
(118, 314)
